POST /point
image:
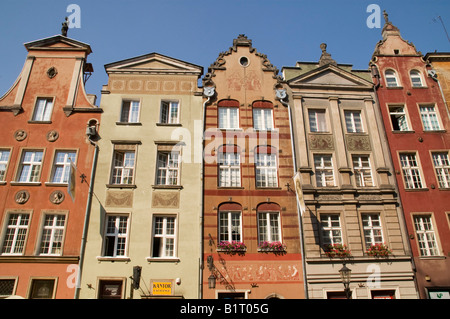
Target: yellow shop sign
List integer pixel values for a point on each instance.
(162, 288)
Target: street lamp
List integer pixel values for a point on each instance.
(345, 277)
(211, 282)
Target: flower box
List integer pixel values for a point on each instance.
(337, 250)
(232, 247)
(379, 250)
(275, 246)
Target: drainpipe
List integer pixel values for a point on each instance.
(299, 213)
(86, 221)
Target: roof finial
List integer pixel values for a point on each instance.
(65, 27)
(386, 16)
(325, 58)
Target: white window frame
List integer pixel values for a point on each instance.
(441, 163)
(266, 230)
(317, 120)
(414, 75)
(33, 164)
(121, 173)
(226, 229)
(229, 167)
(167, 107)
(64, 164)
(4, 161)
(130, 115)
(426, 237)
(53, 229)
(164, 237)
(400, 116)
(430, 117)
(352, 117)
(412, 176)
(266, 170)
(17, 232)
(372, 228)
(363, 173)
(116, 234)
(331, 232)
(171, 168)
(43, 109)
(324, 174)
(391, 76)
(263, 119)
(224, 118)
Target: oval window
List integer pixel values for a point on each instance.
(244, 61)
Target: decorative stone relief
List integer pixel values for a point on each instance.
(369, 197)
(57, 197)
(119, 198)
(52, 136)
(358, 143)
(328, 197)
(260, 272)
(166, 199)
(20, 135)
(22, 197)
(321, 142)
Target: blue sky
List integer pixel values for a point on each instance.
(196, 31)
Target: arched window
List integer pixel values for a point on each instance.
(228, 113)
(416, 79)
(230, 222)
(269, 223)
(391, 78)
(263, 115)
(266, 166)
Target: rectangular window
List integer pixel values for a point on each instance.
(429, 118)
(123, 167)
(411, 171)
(362, 170)
(30, 166)
(425, 235)
(331, 229)
(442, 166)
(4, 158)
(52, 235)
(353, 121)
(317, 121)
(169, 112)
(230, 228)
(61, 166)
(262, 119)
(372, 229)
(269, 227)
(116, 236)
(398, 118)
(164, 237)
(228, 118)
(167, 168)
(324, 170)
(7, 287)
(110, 289)
(43, 109)
(266, 170)
(130, 112)
(42, 288)
(229, 170)
(15, 234)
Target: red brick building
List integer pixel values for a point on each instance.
(251, 225)
(44, 121)
(417, 129)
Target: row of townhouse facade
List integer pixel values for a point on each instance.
(253, 185)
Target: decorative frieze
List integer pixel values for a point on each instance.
(119, 198)
(320, 142)
(165, 199)
(358, 143)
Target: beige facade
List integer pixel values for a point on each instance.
(148, 186)
(347, 186)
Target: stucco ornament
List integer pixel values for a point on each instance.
(52, 72)
(20, 135)
(22, 197)
(52, 136)
(57, 197)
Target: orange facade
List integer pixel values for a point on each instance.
(251, 224)
(44, 118)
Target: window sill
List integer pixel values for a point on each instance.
(39, 122)
(167, 187)
(440, 257)
(129, 123)
(435, 131)
(424, 189)
(55, 184)
(112, 259)
(26, 183)
(121, 186)
(157, 259)
(403, 132)
(2, 182)
(394, 87)
(230, 187)
(168, 124)
(271, 187)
